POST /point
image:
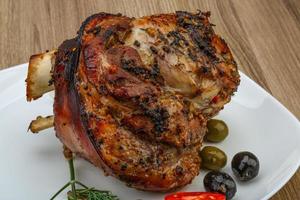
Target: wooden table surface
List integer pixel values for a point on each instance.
(264, 36)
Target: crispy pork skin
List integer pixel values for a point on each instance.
(133, 95)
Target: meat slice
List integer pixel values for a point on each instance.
(133, 95)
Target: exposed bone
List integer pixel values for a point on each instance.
(41, 123)
(39, 75)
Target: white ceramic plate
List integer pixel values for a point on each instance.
(33, 167)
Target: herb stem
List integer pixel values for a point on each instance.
(84, 192)
(81, 184)
(72, 177)
(59, 191)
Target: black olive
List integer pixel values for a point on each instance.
(220, 182)
(245, 166)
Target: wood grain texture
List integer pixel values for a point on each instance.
(264, 36)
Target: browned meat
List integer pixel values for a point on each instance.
(133, 95)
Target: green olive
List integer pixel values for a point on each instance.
(213, 158)
(217, 130)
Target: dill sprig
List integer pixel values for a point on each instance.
(92, 194)
(84, 192)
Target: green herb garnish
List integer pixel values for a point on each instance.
(84, 192)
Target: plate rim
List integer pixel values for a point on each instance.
(294, 169)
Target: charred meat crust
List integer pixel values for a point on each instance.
(140, 178)
(70, 124)
(138, 107)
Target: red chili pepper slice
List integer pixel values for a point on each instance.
(195, 196)
(215, 99)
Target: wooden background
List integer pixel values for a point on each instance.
(264, 36)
